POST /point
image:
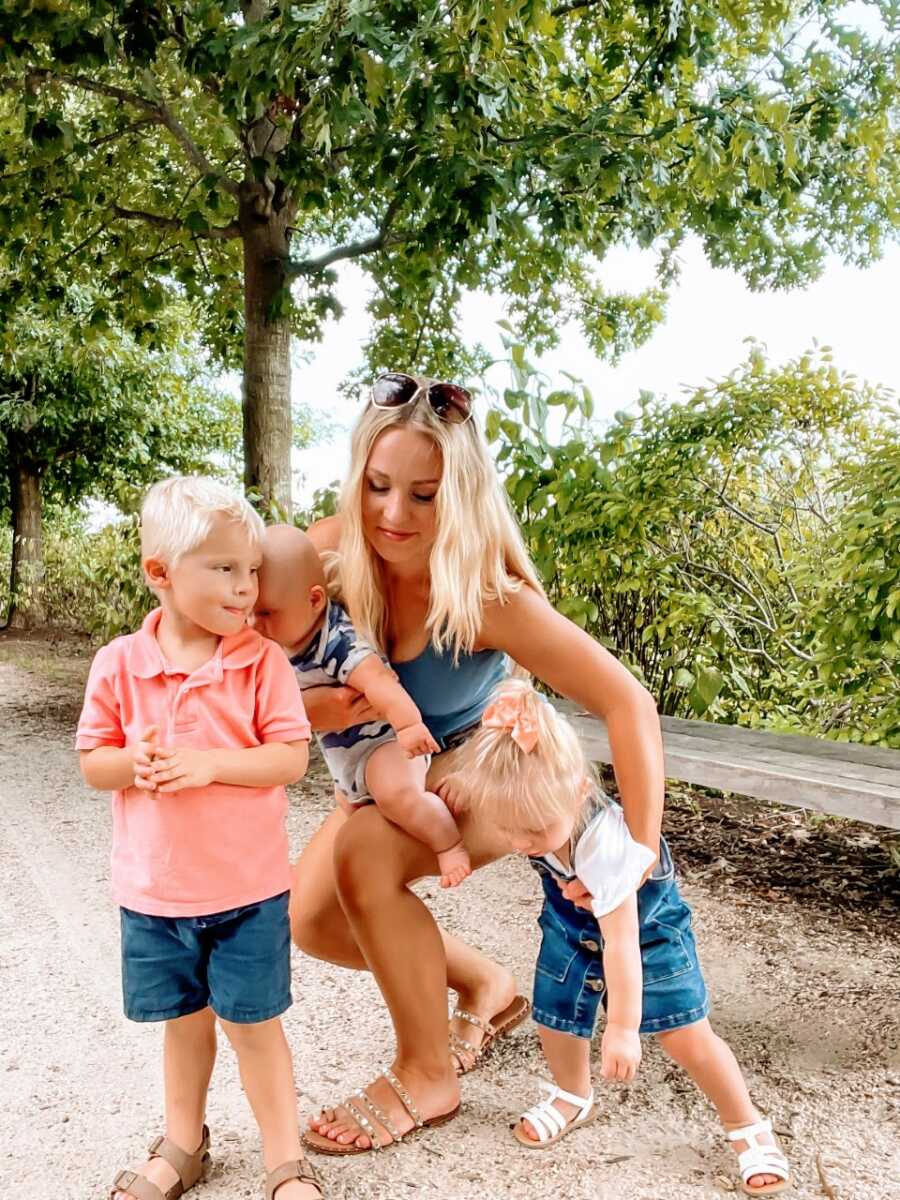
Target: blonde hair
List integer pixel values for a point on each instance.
(513, 790)
(478, 555)
(177, 515)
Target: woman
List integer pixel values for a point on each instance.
(434, 572)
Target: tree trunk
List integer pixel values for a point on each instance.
(267, 351)
(27, 609)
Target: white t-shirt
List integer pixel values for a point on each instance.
(607, 860)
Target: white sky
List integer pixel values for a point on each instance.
(710, 314)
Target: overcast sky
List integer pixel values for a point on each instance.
(710, 314)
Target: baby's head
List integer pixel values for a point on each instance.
(201, 547)
(524, 772)
(292, 591)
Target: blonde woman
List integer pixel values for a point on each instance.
(434, 572)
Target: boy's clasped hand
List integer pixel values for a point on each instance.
(170, 769)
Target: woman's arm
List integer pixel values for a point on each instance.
(563, 656)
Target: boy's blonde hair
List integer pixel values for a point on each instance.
(478, 555)
(517, 789)
(178, 513)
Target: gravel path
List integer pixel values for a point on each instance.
(808, 1001)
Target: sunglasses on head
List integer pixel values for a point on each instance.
(448, 401)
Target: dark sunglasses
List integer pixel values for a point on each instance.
(449, 401)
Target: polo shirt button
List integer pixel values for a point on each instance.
(591, 945)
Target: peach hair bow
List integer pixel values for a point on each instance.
(510, 712)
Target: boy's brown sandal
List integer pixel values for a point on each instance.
(297, 1168)
(190, 1168)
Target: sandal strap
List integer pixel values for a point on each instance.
(546, 1119)
(364, 1123)
(473, 1019)
(763, 1160)
(408, 1102)
(380, 1115)
(140, 1187)
(459, 1043)
(297, 1168)
(188, 1166)
(748, 1133)
(556, 1093)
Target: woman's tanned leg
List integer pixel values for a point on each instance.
(318, 924)
(374, 860)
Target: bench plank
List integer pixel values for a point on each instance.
(781, 767)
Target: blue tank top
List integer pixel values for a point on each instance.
(451, 696)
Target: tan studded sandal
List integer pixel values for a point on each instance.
(296, 1168)
(190, 1168)
(504, 1022)
(368, 1116)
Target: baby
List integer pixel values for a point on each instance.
(524, 775)
(381, 761)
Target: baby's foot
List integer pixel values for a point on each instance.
(566, 1110)
(764, 1178)
(455, 865)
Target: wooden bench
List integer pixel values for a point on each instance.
(845, 779)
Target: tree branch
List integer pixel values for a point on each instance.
(159, 111)
(311, 266)
(92, 85)
(226, 232)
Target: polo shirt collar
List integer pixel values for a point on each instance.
(235, 652)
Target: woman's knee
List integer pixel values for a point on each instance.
(368, 864)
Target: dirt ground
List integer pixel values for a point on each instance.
(796, 922)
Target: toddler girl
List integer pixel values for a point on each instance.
(524, 772)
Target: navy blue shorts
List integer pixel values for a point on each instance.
(238, 963)
(568, 981)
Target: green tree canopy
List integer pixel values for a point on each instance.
(90, 412)
(242, 149)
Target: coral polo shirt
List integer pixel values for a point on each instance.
(200, 850)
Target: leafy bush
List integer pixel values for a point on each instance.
(93, 580)
(705, 542)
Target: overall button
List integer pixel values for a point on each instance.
(590, 944)
(596, 985)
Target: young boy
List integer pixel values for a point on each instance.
(196, 723)
(385, 761)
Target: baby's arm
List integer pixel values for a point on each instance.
(397, 784)
(621, 1045)
(385, 694)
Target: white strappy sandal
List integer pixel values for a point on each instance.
(548, 1122)
(760, 1159)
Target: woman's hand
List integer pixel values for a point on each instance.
(334, 708)
(620, 1053)
(577, 893)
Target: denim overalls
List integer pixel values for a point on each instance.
(568, 981)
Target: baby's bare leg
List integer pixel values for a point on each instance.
(397, 784)
(569, 1060)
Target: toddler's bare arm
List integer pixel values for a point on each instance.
(385, 694)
